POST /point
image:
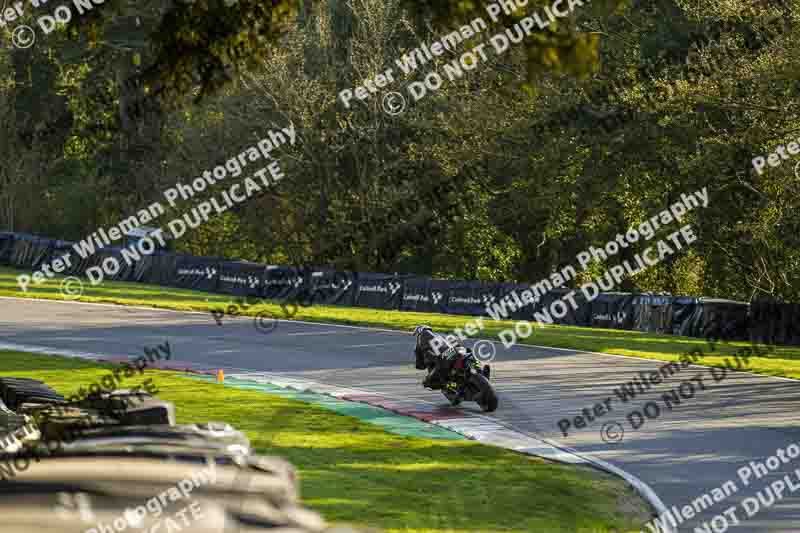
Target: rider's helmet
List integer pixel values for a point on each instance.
(419, 329)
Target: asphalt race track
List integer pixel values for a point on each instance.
(682, 453)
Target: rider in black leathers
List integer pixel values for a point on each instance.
(432, 356)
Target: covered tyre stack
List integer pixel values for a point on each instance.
(108, 465)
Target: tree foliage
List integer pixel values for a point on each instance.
(479, 179)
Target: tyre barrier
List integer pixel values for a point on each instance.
(102, 466)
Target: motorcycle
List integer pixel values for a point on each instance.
(468, 379)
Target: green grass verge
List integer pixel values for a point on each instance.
(783, 361)
(357, 473)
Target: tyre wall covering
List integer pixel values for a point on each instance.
(763, 321)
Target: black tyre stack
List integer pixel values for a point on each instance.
(108, 465)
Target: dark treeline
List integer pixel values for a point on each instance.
(505, 174)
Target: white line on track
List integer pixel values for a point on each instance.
(51, 350)
(334, 332)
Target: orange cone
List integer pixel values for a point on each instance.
(220, 376)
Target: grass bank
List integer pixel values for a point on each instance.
(357, 473)
(783, 361)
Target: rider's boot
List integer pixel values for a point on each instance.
(430, 380)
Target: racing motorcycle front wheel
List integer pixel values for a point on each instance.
(487, 397)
